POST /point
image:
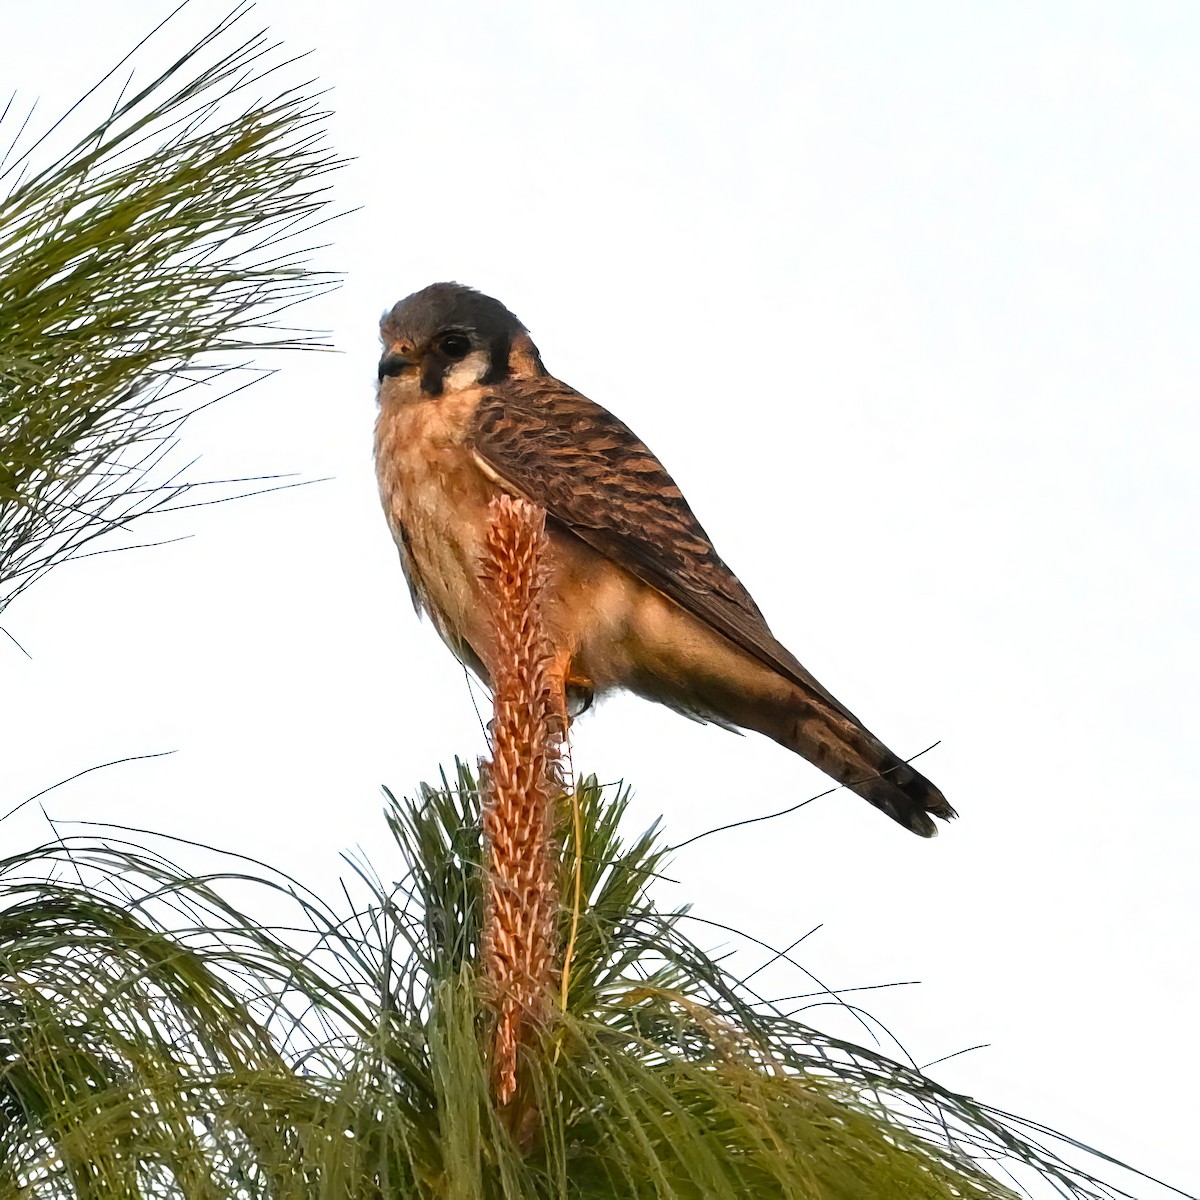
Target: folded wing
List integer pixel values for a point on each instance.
(589, 471)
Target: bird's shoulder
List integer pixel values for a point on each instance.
(590, 471)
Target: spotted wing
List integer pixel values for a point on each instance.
(588, 470)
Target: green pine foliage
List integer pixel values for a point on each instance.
(229, 1035)
(140, 268)
(159, 1040)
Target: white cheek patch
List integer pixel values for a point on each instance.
(467, 372)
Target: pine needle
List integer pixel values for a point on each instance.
(140, 269)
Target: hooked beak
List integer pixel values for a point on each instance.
(395, 363)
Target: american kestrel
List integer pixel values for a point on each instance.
(637, 597)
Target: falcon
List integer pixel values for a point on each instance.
(636, 595)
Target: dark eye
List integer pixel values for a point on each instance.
(455, 345)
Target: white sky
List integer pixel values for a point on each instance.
(906, 298)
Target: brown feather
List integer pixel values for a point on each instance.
(554, 446)
(636, 595)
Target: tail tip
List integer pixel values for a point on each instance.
(920, 811)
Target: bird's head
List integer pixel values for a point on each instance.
(447, 337)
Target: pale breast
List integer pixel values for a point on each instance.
(435, 501)
(436, 496)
